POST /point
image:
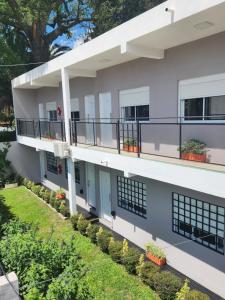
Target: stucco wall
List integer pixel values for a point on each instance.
(25, 160)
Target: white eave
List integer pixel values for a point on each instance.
(147, 35)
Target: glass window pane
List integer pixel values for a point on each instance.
(142, 113)
(215, 108)
(129, 113)
(193, 109)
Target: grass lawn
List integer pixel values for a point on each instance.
(109, 280)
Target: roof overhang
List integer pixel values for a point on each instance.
(173, 23)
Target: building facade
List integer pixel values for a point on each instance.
(106, 122)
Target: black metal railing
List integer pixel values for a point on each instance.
(159, 136)
(41, 128)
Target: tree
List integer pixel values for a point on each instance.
(111, 13)
(41, 22)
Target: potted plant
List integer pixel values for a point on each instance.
(130, 145)
(193, 150)
(155, 254)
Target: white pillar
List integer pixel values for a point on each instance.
(66, 102)
(67, 116)
(71, 186)
(42, 164)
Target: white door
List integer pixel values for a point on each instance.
(105, 106)
(41, 111)
(90, 184)
(89, 116)
(105, 195)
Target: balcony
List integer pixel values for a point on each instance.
(41, 129)
(159, 139)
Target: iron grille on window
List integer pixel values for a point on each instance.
(75, 115)
(51, 163)
(132, 196)
(52, 115)
(199, 221)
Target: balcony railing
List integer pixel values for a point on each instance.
(42, 129)
(160, 136)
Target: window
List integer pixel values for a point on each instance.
(51, 163)
(132, 196)
(75, 115)
(199, 221)
(209, 108)
(77, 172)
(136, 113)
(66, 169)
(52, 115)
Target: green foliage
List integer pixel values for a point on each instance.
(130, 260)
(46, 195)
(82, 224)
(63, 209)
(193, 146)
(37, 262)
(29, 184)
(34, 294)
(7, 136)
(155, 250)
(5, 165)
(36, 189)
(74, 220)
(146, 270)
(196, 295)
(57, 204)
(91, 232)
(103, 238)
(184, 291)
(68, 285)
(52, 198)
(165, 284)
(115, 250)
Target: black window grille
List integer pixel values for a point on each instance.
(132, 196)
(75, 115)
(199, 221)
(52, 115)
(77, 172)
(51, 163)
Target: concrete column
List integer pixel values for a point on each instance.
(42, 164)
(71, 186)
(66, 102)
(67, 116)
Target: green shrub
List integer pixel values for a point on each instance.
(196, 295)
(46, 196)
(91, 232)
(82, 224)
(165, 284)
(184, 291)
(52, 198)
(145, 271)
(25, 181)
(63, 209)
(29, 184)
(36, 189)
(103, 238)
(42, 191)
(57, 204)
(15, 226)
(130, 260)
(34, 294)
(115, 250)
(74, 219)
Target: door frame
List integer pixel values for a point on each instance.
(87, 165)
(108, 217)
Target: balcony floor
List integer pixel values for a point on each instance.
(169, 160)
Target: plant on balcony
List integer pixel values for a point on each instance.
(130, 145)
(155, 254)
(193, 150)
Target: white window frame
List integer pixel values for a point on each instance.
(133, 91)
(207, 86)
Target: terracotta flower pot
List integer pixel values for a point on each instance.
(156, 260)
(194, 157)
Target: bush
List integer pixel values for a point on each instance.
(63, 209)
(165, 284)
(52, 198)
(15, 226)
(57, 204)
(130, 260)
(82, 224)
(146, 270)
(74, 220)
(25, 181)
(36, 189)
(103, 238)
(115, 250)
(46, 196)
(29, 184)
(91, 232)
(196, 295)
